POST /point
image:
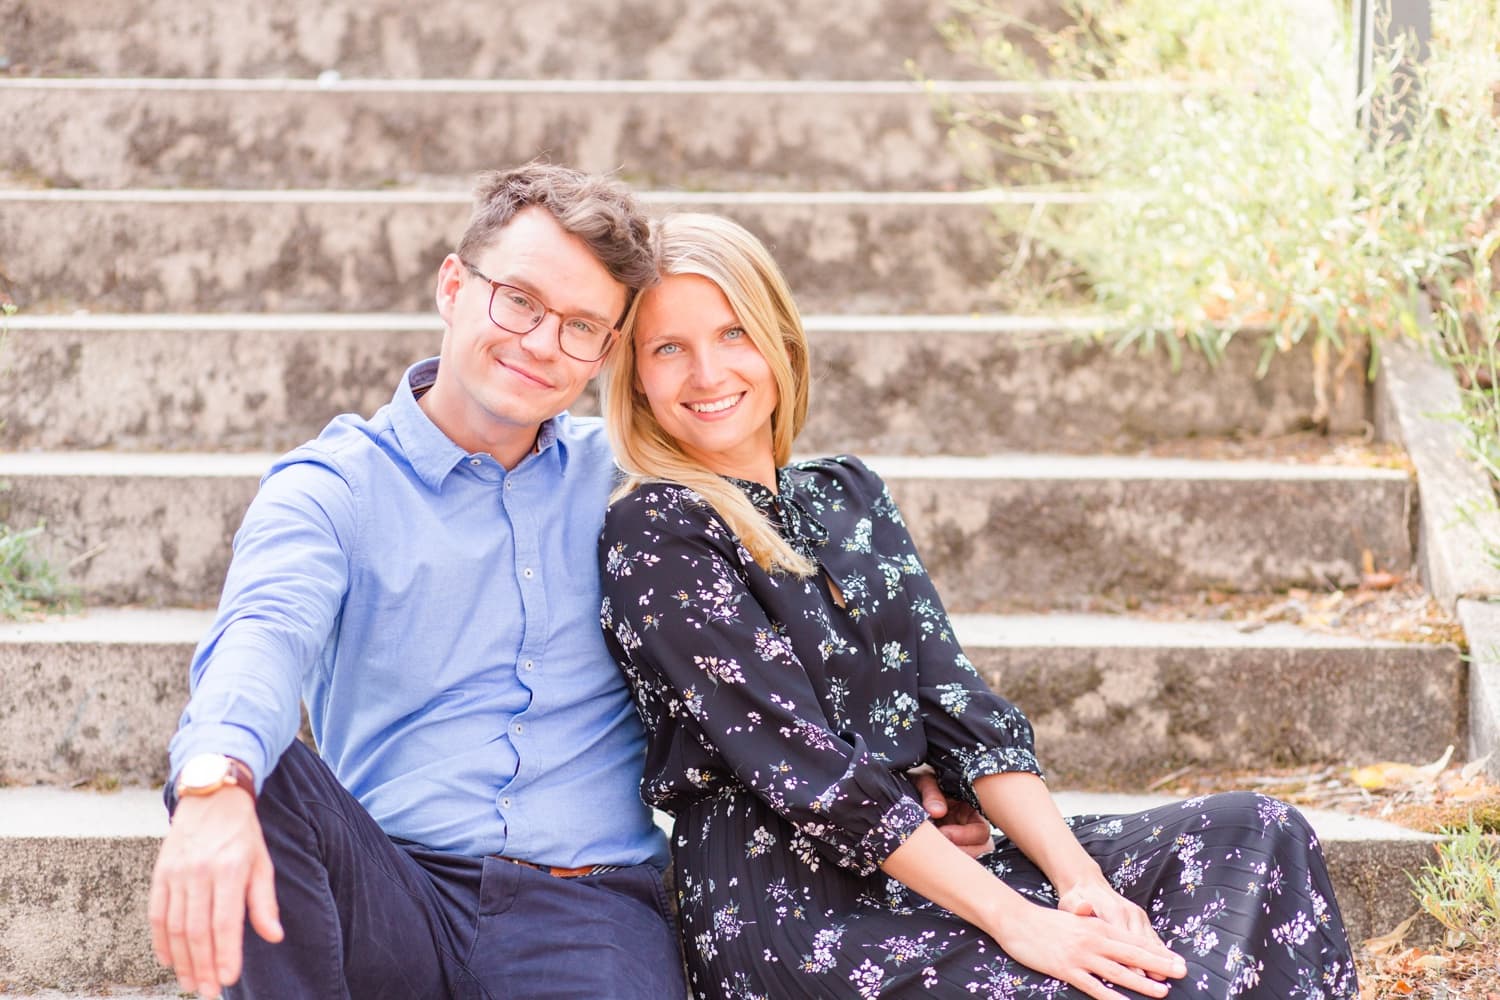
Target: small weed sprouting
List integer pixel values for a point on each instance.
(1462, 889)
(28, 585)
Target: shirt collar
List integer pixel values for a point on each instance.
(432, 453)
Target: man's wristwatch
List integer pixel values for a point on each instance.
(206, 773)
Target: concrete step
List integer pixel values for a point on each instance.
(572, 39)
(886, 384)
(1119, 701)
(75, 871)
(1116, 701)
(344, 251)
(995, 531)
(760, 135)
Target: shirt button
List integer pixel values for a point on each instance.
(508, 484)
(518, 729)
(529, 665)
(505, 802)
(474, 462)
(527, 573)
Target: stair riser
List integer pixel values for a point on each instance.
(1122, 718)
(580, 39)
(75, 913)
(875, 392)
(124, 138)
(1110, 717)
(989, 544)
(95, 713)
(76, 909)
(381, 255)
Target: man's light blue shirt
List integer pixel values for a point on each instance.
(440, 616)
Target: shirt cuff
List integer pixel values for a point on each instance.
(230, 740)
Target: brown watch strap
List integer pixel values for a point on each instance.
(239, 771)
(237, 774)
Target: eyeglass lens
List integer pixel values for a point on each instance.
(517, 311)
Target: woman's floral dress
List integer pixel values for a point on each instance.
(780, 725)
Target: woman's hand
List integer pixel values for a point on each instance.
(1088, 952)
(1093, 896)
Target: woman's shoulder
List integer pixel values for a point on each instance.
(844, 494)
(660, 505)
(837, 480)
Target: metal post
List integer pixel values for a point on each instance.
(1378, 23)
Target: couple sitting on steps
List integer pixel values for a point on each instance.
(773, 666)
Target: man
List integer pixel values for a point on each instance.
(425, 581)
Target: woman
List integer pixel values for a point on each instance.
(791, 660)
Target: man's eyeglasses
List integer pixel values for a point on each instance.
(516, 310)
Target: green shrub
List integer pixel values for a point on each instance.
(1237, 191)
(1462, 889)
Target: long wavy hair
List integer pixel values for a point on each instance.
(732, 258)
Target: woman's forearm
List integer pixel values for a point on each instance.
(1022, 807)
(930, 864)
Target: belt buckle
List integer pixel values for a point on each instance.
(549, 869)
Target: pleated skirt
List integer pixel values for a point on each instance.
(1234, 883)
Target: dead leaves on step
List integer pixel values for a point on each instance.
(1431, 796)
(1389, 971)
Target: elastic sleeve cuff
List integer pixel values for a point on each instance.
(898, 823)
(992, 760)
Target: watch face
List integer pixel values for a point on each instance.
(205, 770)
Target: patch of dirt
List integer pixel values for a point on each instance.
(1297, 448)
(1388, 607)
(1428, 796)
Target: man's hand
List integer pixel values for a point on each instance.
(213, 862)
(958, 821)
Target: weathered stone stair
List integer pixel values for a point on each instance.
(213, 260)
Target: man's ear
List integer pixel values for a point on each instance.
(450, 278)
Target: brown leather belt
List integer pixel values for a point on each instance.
(554, 871)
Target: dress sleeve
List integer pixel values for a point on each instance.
(679, 613)
(971, 730)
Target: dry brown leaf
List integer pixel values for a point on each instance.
(1391, 940)
(1475, 767)
(1394, 774)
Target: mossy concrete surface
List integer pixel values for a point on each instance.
(155, 529)
(917, 384)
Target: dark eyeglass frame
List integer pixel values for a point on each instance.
(562, 318)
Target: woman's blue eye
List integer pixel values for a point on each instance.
(665, 349)
(734, 333)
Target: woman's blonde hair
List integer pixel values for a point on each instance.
(739, 264)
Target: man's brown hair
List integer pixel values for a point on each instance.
(598, 210)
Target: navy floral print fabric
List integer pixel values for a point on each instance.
(781, 716)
